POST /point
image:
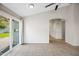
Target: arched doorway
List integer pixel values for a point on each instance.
(56, 30)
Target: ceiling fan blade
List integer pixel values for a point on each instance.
(49, 5)
(56, 7)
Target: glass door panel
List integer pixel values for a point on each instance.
(15, 28)
(9, 34)
(4, 34)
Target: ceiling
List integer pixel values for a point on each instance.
(22, 9)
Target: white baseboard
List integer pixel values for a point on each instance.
(73, 44)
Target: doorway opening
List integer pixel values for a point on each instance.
(56, 30)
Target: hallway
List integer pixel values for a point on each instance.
(55, 48)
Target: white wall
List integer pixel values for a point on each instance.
(36, 28)
(76, 24)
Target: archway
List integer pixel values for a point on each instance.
(56, 30)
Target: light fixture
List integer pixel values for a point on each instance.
(31, 5)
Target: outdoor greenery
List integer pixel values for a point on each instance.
(4, 35)
(4, 22)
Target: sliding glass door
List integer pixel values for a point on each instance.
(15, 30)
(4, 34)
(9, 34)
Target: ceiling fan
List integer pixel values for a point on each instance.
(56, 7)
